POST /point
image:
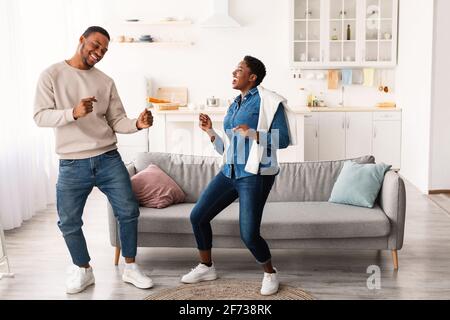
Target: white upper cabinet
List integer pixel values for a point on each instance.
(380, 33)
(344, 33)
(307, 29)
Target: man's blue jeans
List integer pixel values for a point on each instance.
(221, 192)
(76, 180)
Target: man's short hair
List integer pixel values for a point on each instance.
(256, 67)
(94, 29)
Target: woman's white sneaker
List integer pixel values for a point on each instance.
(270, 284)
(79, 279)
(200, 273)
(132, 274)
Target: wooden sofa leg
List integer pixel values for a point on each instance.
(117, 256)
(395, 259)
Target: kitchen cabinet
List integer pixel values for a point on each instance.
(311, 137)
(387, 132)
(343, 33)
(358, 134)
(331, 135)
(345, 135)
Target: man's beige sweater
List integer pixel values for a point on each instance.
(59, 90)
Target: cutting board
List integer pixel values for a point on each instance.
(166, 106)
(177, 95)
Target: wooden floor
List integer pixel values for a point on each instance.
(39, 259)
(442, 200)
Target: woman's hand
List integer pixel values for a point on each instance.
(246, 132)
(206, 125)
(205, 122)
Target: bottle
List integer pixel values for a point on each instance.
(334, 36)
(310, 100)
(303, 97)
(348, 33)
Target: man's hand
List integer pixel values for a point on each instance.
(246, 132)
(145, 120)
(85, 107)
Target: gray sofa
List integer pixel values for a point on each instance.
(297, 213)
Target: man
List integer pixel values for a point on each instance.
(83, 106)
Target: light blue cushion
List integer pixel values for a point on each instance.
(359, 184)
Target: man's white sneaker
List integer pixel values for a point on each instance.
(79, 279)
(200, 273)
(270, 284)
(132, 274)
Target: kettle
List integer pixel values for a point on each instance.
(212, 102)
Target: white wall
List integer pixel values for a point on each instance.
(414, 92)
(206, 67)
(440, 116)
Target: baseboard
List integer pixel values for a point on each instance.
(439, 191)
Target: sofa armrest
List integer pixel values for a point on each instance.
(113, 227)
(131, 169)
(393, 203)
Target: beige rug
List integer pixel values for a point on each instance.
(228, 290)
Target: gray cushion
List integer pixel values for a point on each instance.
(302, 181)
(282, 220)
(309, 181)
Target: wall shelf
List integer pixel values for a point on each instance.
(156, 43)
(158, 23)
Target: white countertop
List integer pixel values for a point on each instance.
(304, 110)
(299, 110)
(187, 111)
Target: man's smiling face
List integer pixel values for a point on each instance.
(93, 49)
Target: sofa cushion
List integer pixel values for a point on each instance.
(359, 184)
(309, 181)
(281, 220)
(191, 173)
(155, 189)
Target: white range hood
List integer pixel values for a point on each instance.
(219, 17)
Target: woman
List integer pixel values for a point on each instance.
(256, 127)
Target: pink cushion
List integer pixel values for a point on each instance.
(155, 189)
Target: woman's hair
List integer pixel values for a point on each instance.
(256, 67)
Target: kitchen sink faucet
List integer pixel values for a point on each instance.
(342, 96)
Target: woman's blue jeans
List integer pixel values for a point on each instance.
(76, 180)
(220, 193)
